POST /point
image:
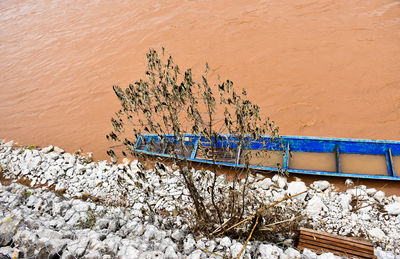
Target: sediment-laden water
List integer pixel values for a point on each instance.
(318, 68)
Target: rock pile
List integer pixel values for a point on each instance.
(75, 208)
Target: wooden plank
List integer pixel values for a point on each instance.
(330, 240)
(321, 250)
(334, 249)
(350, 239)
(348, 246)
(325, 242)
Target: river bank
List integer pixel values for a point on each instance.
(74, 207)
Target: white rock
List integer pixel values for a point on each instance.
(112, 242)
(170, 253)
(377, 233)
(78, 247)
(81, 207)
(344, 201)
(195, 254)
(53, 155)
(370, 191)
(292, 253)
(309, 254)
(328, 256)
(235, 250)
(49, 234)
(295, 188)
(189, 244)
(321, 185)
(34, 163)
(32, 201)
(94, 254)
(269, 251)
(380, 254)
(379, 196)
(358, 193)
(58, 150)
(127, 252)
(281, 181)
(150, 233)
(349, 182)
(8, 228)
(178, 234)
(393, 208)
(47, 149)
(315, 206)
(226, 242)
(264, 184)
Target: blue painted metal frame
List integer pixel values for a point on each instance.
(296, 144)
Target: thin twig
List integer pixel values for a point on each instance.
(223, 225)
(208, 251)
(276, 223)
(251, 233)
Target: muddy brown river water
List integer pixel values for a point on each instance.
(318, 68)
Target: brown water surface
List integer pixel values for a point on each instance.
(318, 68)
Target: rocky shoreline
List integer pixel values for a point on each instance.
(76, 208)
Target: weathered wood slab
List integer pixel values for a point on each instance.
(322, 242)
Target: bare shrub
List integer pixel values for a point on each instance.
(169, 101)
